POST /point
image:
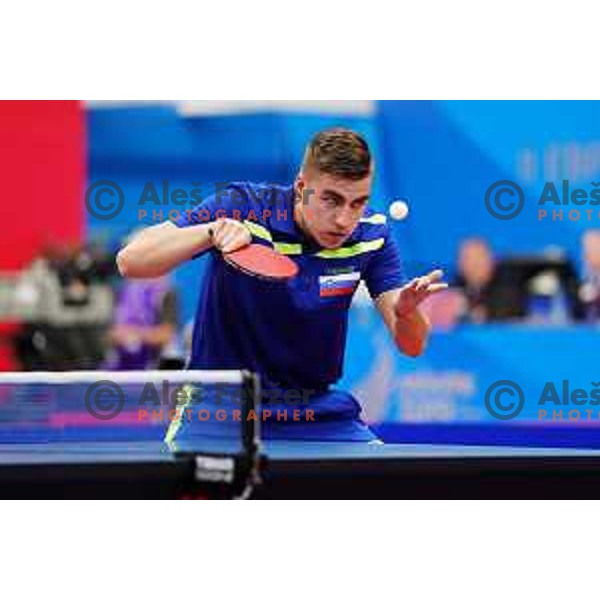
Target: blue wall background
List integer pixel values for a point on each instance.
(444, 156)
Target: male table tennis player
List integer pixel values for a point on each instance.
(293, 334)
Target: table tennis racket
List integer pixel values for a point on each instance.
(263, 262)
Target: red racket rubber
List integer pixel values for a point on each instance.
(261, 261)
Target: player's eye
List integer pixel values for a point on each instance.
(330, 200)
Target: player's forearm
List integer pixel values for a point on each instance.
(159, 249)
(411, 332)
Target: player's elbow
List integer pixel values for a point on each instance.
(414, 349)
(124, 264)
(131, 266)
(413, 352)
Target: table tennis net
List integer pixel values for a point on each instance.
(199, 407)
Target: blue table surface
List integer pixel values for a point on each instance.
(132, 452)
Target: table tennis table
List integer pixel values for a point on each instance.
(298, 470)
(67, 457)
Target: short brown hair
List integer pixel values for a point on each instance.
(339, 152)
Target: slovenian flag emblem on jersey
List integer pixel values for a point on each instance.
(338, 285)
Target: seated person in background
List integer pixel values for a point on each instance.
(66, 304)
(145, 324)
(34, 291)
(589, 291)
(488, 295)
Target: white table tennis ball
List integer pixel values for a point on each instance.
(398, 210)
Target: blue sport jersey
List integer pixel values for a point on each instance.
(291, 333)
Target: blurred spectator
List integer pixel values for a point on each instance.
(489, 295)
(589, 291)
(144, 332)
(65, 300)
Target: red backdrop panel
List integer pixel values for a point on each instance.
(42, 161)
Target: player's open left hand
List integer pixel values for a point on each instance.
(417, 290)
(229, 235)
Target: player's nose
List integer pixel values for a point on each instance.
(344, 219)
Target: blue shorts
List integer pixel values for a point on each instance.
(333, 416)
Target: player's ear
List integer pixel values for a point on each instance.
(299, 186)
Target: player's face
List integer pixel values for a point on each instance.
(329, 208)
